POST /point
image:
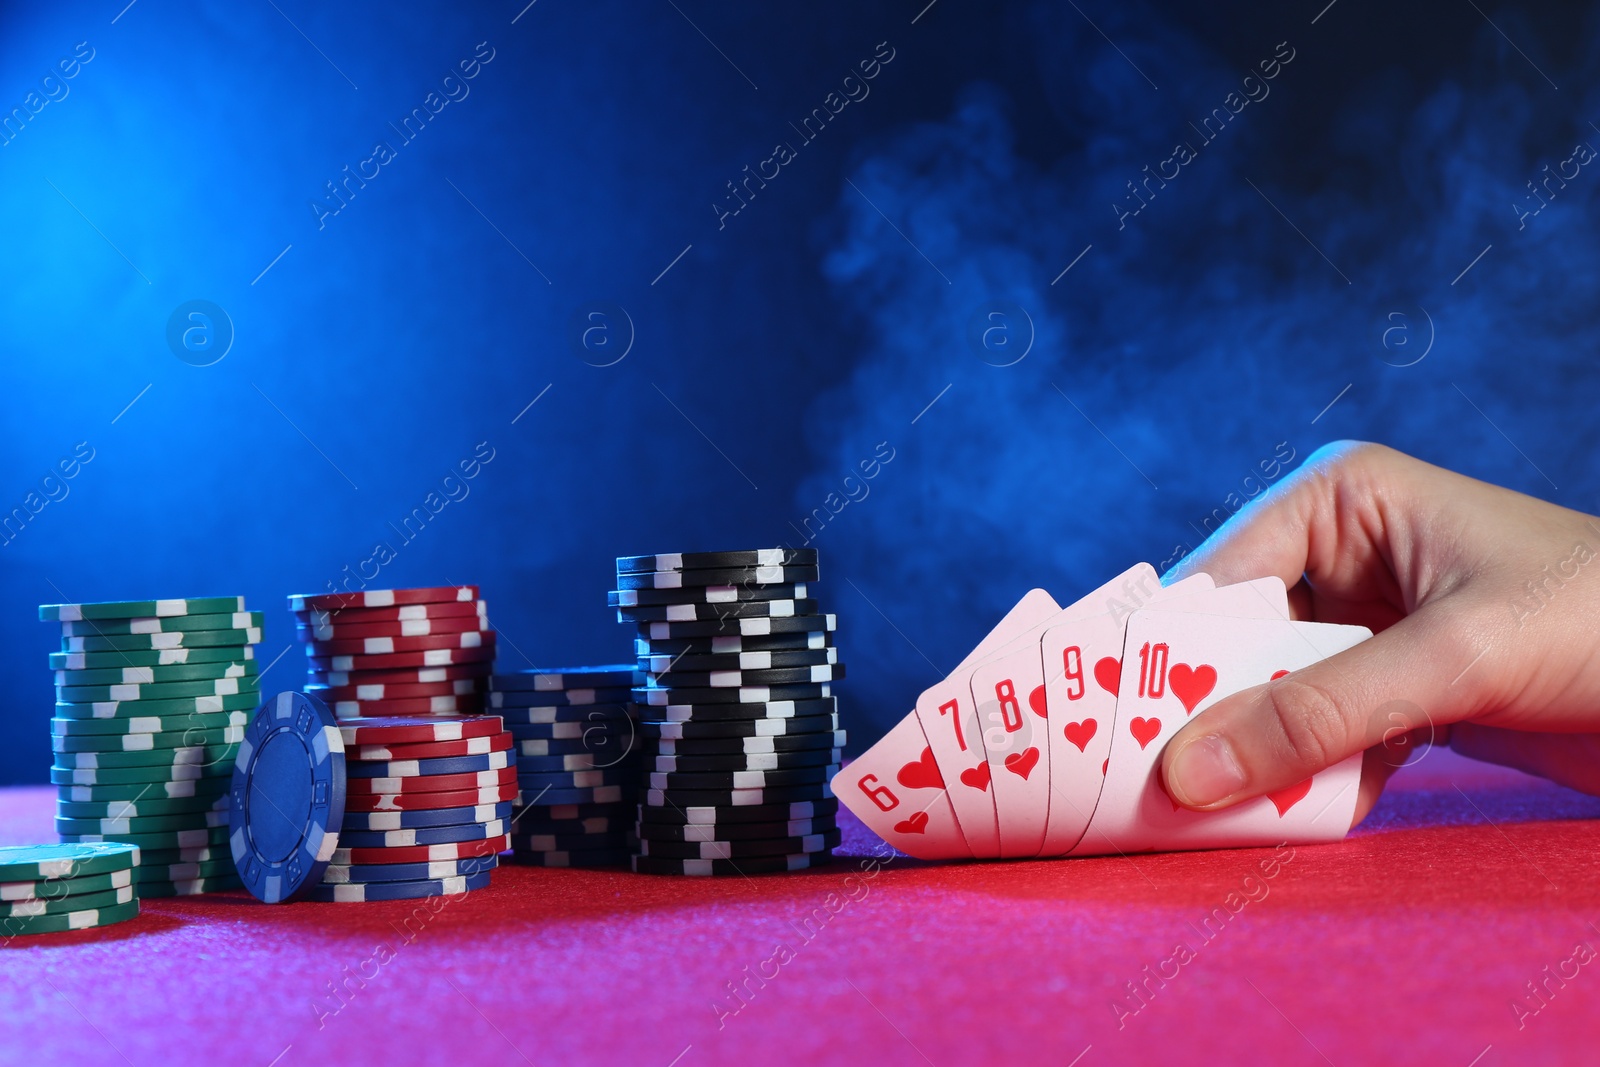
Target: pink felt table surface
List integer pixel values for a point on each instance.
(1407, 943)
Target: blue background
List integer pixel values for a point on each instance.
(1317, 243)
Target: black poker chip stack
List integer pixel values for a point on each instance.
(738, 724)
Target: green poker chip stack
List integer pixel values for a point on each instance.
(152, 698)
(47, 889)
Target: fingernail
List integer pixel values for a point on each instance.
(1206, 770)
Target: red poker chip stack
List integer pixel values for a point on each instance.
(381, 652)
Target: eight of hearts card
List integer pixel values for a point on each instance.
(1047, 738)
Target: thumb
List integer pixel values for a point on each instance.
(1276, 735)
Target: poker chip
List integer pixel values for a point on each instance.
(780, 676)
(393, 613)
(735, 626)
(383, 598)
(782, 744)
(121, 709)
(438, 657)
(617, 857)
(350, 892)
(704, 594)
(690, 711)
(677, 561)
(601, 743)
(182, 672)
(238, 620)
(716, 815)
(469, 746)
(699, 577)
(185, 755)
(733, 645)
(55, 905)
(695, 729)
(742, 867)
(622, 839)
(148, 724)
(758, 761)
(344, 630)
(431, 783)
(549, 795)
(677, 796)
(733, 831)
(67, 826)
(191, 888)
(408, 872)
(287, 798)
(564, 813)
(55, 888)
(467, 704)
(133, 609)
(184, 872)
(398, 691)
(489, 761)
(35, 863)
(653, 697)
(430, 835)
(720, 613)
(206, 789)
(142, 742)
(422, 801)
(527, 698)
(60, 922)
(166, 857)
(580, 779)
(481, 814)
(388, 646)
(738, 661)
(741, 849)
(402, 675)
(169, 657)
(148, 642)
(738, 780)
(413, 731)
(199, 838)
(153, 776)
(87, 694)
(560, 679)
(458, 850)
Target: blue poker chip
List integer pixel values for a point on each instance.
(543, 796)
(596, 759)
(560, 679)
(413, 768)
(580, 779)
(426, 835)
(588, 714)
(408, 872)
(287, 798)
(567, 698)
(412, 819)
(431, 887)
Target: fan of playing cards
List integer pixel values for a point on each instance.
(1047, 739)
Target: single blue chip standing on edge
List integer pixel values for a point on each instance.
(287, 797)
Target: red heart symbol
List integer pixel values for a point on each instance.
(1108, 672)
(1079, 733)
(1191, 684)
(921, 773)
(1276, 675)
(1103, 765)
(1284, 799)
(1036, 701)
(917, 824)
(1144, 730)
(977, 777)
(1021, 763)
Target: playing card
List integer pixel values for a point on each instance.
(896, 789)
(950, 724)
(1078, 663)
(1175, 665)
(1008, 691)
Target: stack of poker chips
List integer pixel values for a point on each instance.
(47, 889)
(151, 702)
(739, 725)
(427, 807)
(577, 763)
(397, 651)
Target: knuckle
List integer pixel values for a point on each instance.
(1310, 723)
